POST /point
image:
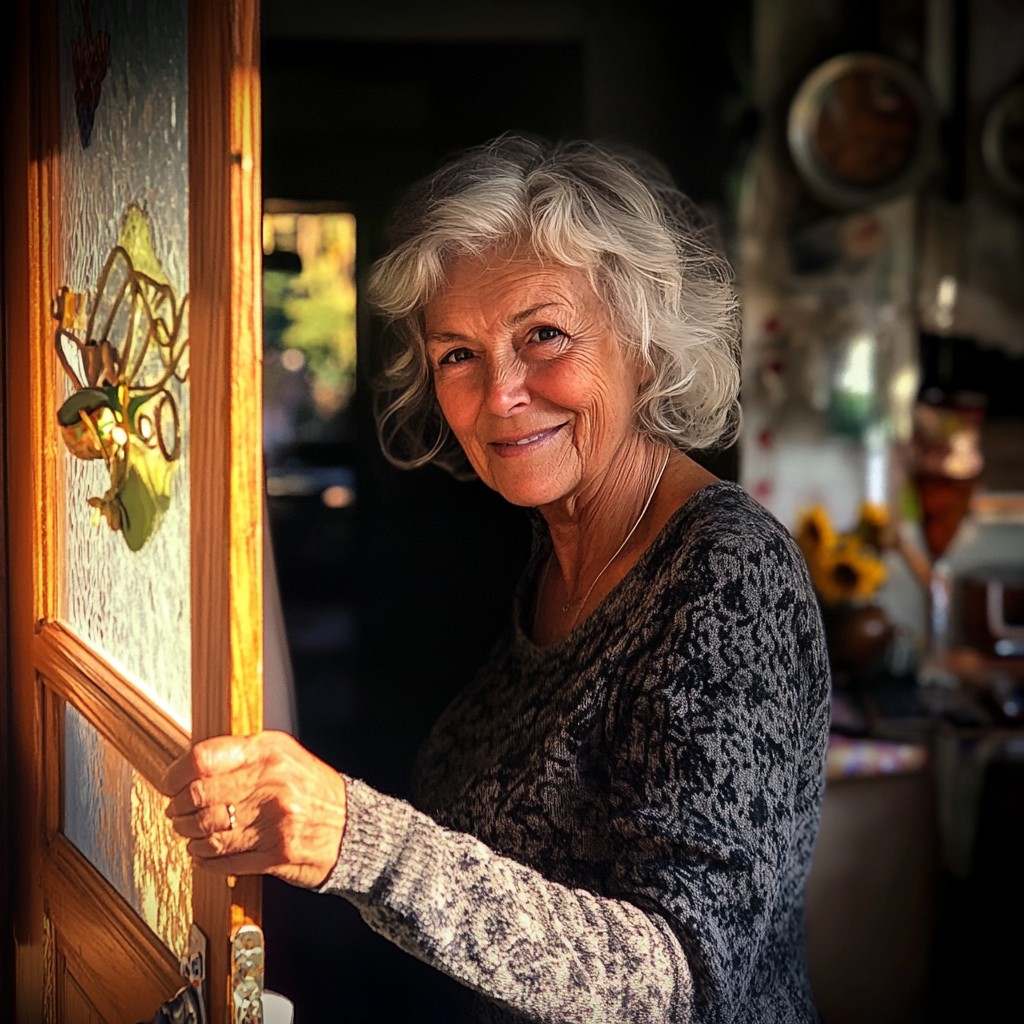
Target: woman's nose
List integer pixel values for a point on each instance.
(506, 388)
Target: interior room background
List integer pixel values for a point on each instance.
(395, 584)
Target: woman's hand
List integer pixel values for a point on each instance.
(258, 804)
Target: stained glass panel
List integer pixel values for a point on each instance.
(124, 405)
(116, 819)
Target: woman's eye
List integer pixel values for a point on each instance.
(548, 334)
(457, 355)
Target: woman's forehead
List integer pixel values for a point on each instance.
(503, 278)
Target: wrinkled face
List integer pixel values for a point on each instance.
(530, 377)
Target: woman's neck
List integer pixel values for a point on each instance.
(587, 526)
(630, 502)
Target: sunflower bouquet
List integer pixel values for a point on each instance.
(846, 568)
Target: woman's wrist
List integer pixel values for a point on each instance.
(376, 827)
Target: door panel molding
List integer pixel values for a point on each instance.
(75, 1007)
(105, 928)
(52, 732)
(143, 732)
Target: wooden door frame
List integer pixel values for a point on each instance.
(7, 954)
(226, 502)
(27, 222)
(226, 327)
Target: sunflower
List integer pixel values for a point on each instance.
(815, 534)
(873, 524)
(847, 572)
(873, 514)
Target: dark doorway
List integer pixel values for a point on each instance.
(391, 602)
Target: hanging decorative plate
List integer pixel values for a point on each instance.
(1002, 142)
(862, 128)
(125, 352)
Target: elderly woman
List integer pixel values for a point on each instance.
(614, 820)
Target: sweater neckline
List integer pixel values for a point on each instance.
(528, 588)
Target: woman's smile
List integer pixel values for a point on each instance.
(514, 448)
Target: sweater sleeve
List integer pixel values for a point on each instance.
(705, 742)
(546, 951)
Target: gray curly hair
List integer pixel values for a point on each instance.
(615, 215)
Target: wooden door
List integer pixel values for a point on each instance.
(134, 484)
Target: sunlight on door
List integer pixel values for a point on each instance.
(116, 819)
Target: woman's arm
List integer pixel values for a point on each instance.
(497, 926)
(552, 953)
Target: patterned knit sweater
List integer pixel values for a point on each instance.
(617, 827)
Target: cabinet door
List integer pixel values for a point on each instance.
(134, 489)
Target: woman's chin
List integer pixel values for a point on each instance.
(528, 489)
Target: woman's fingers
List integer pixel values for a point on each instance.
(222, 817)
(227, 843)
(262, 848)
(208, 758)
(217, 790)
(250, 862)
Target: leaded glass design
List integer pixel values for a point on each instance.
(124, 209)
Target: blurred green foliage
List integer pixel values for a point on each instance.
(314, 311)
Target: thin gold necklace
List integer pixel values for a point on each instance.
(618, 550)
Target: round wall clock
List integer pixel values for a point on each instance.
(1002, 142)
(861, 129)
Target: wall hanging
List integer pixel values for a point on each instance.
(1002, 142)
(862, 128)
